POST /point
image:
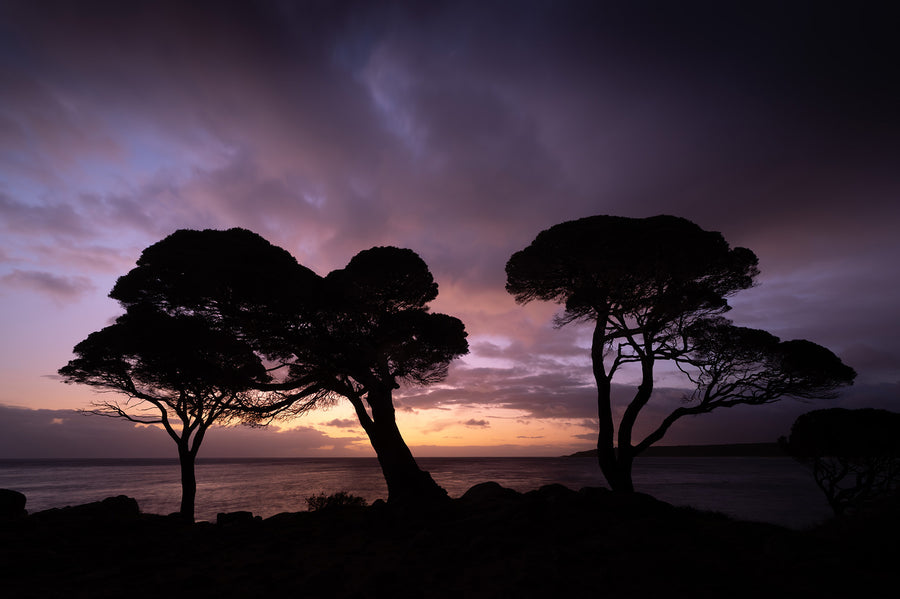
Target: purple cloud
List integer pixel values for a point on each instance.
(19, 218)
(59, 288)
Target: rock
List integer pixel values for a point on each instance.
(225, 519)
(555, 493)
(12, 504)
(489, 492)
(111, 509)
(594, 494)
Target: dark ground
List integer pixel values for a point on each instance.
(493, 542)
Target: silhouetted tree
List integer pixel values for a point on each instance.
(198, 342)
(171, 370)
(375, 331)
(655, 289)
(357, 333)
(236, 282)
(854, 455)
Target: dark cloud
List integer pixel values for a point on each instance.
(476, 423)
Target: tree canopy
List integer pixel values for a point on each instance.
(730, 365)
(656, 270)
(235, 279)
(742, 365)
(239, 283)
(150, 355)
(379, 315)
(655, 289)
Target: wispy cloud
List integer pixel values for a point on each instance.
(343, 423)
(58, 287)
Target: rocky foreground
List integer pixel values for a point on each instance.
(492, 542)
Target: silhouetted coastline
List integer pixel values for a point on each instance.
(730, 450)
(491, 542)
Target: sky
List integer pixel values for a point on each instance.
(459, 130)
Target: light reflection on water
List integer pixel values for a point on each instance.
(774, 490)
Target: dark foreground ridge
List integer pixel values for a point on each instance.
(492, 542)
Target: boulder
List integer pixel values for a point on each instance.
(554, 493)
(111, 509)
(228, 518)
(12, 504)
(489, 492)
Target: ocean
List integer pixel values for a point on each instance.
(775, 490)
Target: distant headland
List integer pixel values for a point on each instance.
(750, 450)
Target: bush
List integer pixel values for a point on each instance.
(854, 455)
(339, 499)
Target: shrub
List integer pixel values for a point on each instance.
(340, 499)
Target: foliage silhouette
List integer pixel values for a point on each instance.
(222, 275)
(238, 282)
(854, 455)
(172, 370)
(340, 499)
(655, 289)
(731, 365)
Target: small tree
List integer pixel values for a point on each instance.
(854, 455)
(170, 370)
(200, 334)
(655, 289)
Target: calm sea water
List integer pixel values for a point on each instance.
(776, 490)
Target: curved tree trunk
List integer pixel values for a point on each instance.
(406, 482)
(617, 473)
(607, 455)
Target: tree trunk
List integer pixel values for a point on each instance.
(624, 463)
(606, 450)
(406, 482)
(188, 483)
